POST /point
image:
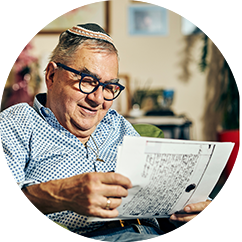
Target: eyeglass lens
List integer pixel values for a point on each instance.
(89, 83)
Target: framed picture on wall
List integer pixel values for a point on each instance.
(147, 20)
(193, 12)
(93, 13)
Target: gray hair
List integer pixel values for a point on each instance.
(70, 43)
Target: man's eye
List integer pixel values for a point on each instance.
(89, 81)
(112, 88)
(109, 87)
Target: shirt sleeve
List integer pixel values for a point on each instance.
(15, 134)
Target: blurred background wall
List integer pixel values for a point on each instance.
(151, 62)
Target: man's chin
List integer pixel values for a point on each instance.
(84, 127)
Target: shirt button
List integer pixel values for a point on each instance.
(45, 112)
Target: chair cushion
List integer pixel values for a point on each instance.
(29, 229)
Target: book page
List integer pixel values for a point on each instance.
(168, 174)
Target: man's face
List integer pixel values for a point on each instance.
(78, 112)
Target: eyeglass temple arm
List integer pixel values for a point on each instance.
(68, 68)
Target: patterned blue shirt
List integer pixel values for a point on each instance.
(35, 148)
(39, 149)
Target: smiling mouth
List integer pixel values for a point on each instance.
(88, 110)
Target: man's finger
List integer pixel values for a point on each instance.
(115, 191)
(110, 178)
(111, 203)
(193, 219)
(196, 207)
(117, 179)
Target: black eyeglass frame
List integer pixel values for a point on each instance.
(67, 68)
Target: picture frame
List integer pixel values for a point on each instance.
(122, 104)
(147, 20)
(193, 12)
(97, 12)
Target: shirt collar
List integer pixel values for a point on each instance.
(39, 105)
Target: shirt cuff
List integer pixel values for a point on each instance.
(27, 183)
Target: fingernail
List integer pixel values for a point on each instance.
(173, 217)
(187, 209)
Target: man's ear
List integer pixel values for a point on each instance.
(49, 74)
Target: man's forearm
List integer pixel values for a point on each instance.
(85, 194)
(41, 195)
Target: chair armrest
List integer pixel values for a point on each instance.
(29, 229)
(148, 130)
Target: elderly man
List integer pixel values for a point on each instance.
(63, 150)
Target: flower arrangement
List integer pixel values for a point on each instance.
(25, 67)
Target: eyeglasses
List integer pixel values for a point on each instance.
(89, 84)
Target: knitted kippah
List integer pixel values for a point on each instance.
(92, 31)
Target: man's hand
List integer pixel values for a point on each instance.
(203, 216)
(85, 194)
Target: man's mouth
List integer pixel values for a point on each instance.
(88, 110)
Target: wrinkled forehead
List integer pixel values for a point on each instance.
(101, 63)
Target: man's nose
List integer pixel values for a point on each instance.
(97, 96)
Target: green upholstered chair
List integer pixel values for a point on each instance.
(29, 229)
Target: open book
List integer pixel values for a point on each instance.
(168, 174)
